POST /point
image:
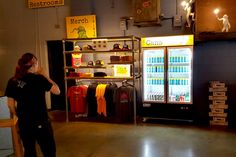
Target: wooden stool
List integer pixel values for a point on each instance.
(12, 123)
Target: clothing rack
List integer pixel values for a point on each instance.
(125, 83)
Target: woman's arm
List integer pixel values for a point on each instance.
(11, 105)
(54, 89)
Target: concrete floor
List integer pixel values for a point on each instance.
(93, 139)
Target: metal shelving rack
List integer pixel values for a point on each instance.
(134, 50)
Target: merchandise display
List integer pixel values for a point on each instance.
(98, 66)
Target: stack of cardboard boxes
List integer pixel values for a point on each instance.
(218, 106)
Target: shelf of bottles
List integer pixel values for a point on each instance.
(154, 70)
(179, 74)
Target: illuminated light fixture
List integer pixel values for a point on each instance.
(216, 11)
(183, 3)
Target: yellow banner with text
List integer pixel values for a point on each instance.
(81, 26)
(177, 40)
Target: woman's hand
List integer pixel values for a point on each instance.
(41, 71)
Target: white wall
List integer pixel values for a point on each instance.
(27, 30)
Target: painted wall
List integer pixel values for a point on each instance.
(109, 12)
(214, 61)
(27, 30)
(23, 29)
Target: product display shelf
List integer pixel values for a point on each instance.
(109, 46)
(218, 107)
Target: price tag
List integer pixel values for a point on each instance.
(122, 70)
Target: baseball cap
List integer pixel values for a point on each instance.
(90, 63)
(87, 47)
(125, 47)
(116, 47)
(76, 46)
(99, 63)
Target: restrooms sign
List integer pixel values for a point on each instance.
(44, 3)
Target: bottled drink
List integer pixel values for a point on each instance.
(181, 59)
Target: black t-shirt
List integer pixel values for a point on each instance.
(29, 92)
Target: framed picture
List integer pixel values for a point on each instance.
(215, 19)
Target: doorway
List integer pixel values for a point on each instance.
(56, 72)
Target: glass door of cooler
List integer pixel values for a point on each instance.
(179, 75)
(153, 75)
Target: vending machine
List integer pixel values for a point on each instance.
(167, 71)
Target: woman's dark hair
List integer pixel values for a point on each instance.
(24, 64)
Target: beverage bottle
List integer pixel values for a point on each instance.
(187, 59)
(154, 59)
(158, 60)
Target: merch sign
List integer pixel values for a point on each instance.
(81, 26)
(44, 3)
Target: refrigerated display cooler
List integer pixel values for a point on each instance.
(167, 77)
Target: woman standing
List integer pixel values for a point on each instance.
(26, 99)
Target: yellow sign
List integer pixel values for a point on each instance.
(44, 3)
(168, 41)
(81, 26)
(122, 70)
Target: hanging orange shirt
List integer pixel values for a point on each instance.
(101, 101)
